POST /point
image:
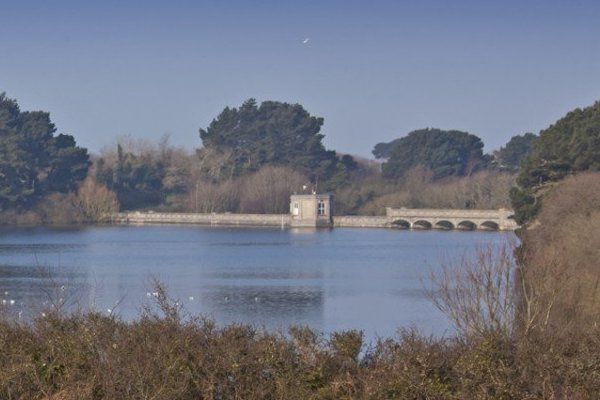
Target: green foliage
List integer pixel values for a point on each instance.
(524, 204)
(33, 162)
(445, 153)
(382, 150)
(145, 174)
(343, 175)
(273, 133)
(572, 144)
(510, 156)
(136, 180)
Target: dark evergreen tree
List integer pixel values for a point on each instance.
(510, 156)
(273, 133)
(68, 164)
(570, 145)
(137, 180)
(382, 150)
(34, 162)
(445, 153)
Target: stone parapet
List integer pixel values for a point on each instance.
(361, 221)
(214, 219)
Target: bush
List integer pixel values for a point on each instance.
(56, 209)
(164, 356)
(483, 190)
(96, 201)
(268, 190)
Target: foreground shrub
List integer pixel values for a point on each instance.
(93, 356)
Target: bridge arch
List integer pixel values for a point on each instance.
(489, 226)
(422, 224)
(444, 225)
(467, 225)
(401, 224)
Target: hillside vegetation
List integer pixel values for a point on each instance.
(570, 145)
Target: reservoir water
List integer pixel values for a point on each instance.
(369, 279)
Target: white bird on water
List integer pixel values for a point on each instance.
(305, 41)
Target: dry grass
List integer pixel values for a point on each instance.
(562, 255)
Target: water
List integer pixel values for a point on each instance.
(369, 279)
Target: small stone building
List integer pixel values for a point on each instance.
(311, 210)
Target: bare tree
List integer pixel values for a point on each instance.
(268, 190)
(96, 201)
(478, 293)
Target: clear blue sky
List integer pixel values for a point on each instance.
(375, 70)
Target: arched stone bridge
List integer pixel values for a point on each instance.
(408, 218)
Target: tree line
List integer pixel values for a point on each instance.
(253, 156)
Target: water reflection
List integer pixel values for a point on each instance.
(274, 307)
(330, 279)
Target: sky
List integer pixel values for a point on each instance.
(374, 70)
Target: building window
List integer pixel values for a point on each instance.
(321, 208)
(296, 210)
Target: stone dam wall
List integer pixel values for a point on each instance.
(361, 221)
(233, 219)
(212, 219)
(395, 218)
